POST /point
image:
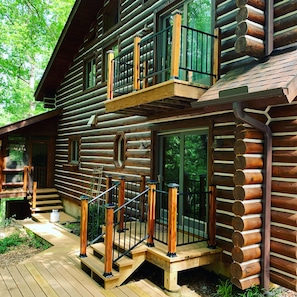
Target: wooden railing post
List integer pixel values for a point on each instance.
(25, 178)
(109, 214)
(151, 213)
(216, 55)
(110, 74)
(172, 219)
(212, 217)
(108, 197)
(83, 226)
(136, 63)
(34, 196)
(120, 203)
(142, 198)
(176, 39)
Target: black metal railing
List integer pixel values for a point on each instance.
(96, 213)
(123, 73)
(191, 217)
(196, 58)
(130, 228)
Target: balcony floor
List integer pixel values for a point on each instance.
(172, 95)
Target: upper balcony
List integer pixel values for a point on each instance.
(162, 72)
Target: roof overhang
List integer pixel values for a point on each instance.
(29, 121)
(83, 14)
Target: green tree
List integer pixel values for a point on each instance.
(29, 31)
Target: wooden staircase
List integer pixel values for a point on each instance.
(93, 265)
(47, 199)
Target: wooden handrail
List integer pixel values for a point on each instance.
(136, 63)
(151, 213)
(110, 72)
(108, 240)
(172, 219)
(176, 39)
(212, 217)
(84, 226)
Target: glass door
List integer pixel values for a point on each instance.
(183, 160)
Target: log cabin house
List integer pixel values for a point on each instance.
(200, 97)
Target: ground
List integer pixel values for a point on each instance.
(199, 280)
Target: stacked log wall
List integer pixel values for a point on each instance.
(225, 19)
(247, 207)
(223, 171)
(283, 261)
(79, 105)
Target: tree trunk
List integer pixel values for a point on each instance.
(250, 46)
(246, 223)
(241, 255)
(241, 239)
(244, 193)
(241, 208)
(243, 270)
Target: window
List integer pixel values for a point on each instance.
(73, 150)
(110, 14)
(120, 150)
(90, 73)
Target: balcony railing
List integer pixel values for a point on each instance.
(177, 52)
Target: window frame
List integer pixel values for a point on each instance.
(120, 150)
(87, 74)
(74, 143)
(111, 6)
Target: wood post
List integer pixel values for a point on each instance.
(151, 213)
(108, 197)
(34, 195)
(136, 63)
(175, 48)
(212, 217)
(25, 178)
(172, 219)
(84, 226)
(120, 203)
(109, 214)
(110, 74)
(216, 55)
(142, 198)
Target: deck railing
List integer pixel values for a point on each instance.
(175, 52)
(130, 221)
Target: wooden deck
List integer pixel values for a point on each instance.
(56, 271)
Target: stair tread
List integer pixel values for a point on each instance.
(45, 208)
(47, 190)
(123, 261)
(49, 196)
(48, 202)
(97, 267)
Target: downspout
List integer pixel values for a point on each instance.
(266, 221)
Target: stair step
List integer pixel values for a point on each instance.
(47, 202)
(49, 196)
(46, 190)
(99, 252)
(95, 268)
(47, 208)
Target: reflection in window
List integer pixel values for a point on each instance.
(90, 73)
(74, 147)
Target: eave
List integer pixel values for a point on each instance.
(172, 95)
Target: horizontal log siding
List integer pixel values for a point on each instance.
(247, 207)
(283, 125)
(79, 105)
(226, 12)
(223, 169)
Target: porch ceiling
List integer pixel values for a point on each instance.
(172, 95)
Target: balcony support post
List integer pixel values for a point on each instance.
(151, 213)
(34, 196)
(110, 74)
(172, 220)
(212, 217)
(216, 55)
(136, 63)
(176, 46)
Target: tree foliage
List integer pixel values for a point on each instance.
(29, 32)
